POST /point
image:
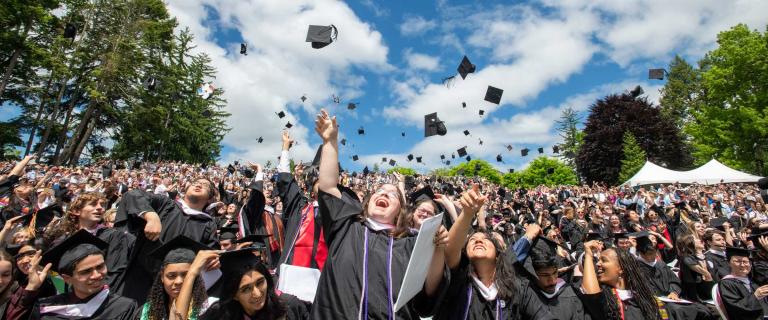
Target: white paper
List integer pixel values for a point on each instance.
(680, 301)
(416, 273)
(298, 281)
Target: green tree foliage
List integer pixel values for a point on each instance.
(402, 170)
(731, 124)
(9, 140)
(538, 173)
(477, 168)
(84, 92)
(440, 172)
(571, 135)
(633, 157)
(682, 92)
(609, 118)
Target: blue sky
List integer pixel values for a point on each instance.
(390, 57)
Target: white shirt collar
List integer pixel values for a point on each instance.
(560, 284)
(488, 293)
(717, 252)
(191, 212)
(377, 226)
(624, 294)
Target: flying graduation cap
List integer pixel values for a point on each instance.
(351, 106)
(469, 158)
(462, 151)
(465, 68)
(343, 142)
(656, 74)
(509, 147)
(481, 112)
(281, 114)
(321, 36)
(524, 152)
(481, 141)
(541, 150)
(418, 159)
(433, 125)
(261, 139)
(355, 158)
(244, 49)
(303, 98)
(392, 162)
(498, 158)
(70, 31)
(384, 159)
(511, 170)
(288, 125)
(361, 131)
(555, 149)
(463, 104)
(150, 83)
(466, 132)
(493, 95)
(410, 157)
(402, 133)
(442, 157)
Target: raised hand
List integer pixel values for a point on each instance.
(326, 126)
(287, 141)
(472, 200)
(36, 276)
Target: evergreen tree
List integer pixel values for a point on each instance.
(682, 92)
(571, 135)
(633, 157)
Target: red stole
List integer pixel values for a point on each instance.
(305, 241)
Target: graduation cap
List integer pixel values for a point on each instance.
(524, 152)
(343, 142)
(79, 245)
(410, 157)
(256, 240)
(541, 150)
(70, 31)
(442, 157)
(205, 90)
(754, 237)
(402, 133)
(321, 36)
(453, 156)
(150, 83)
(482, 112)
(718, 223)
(229, 232)
(281, 114)
(509, 147)
(493, 95)
(231, 169)
(555, 149)
(392, 162)
(366, 171)
(466, 132)
(303, 98)
(463, 104)
(620, 235)
(361, 131)
(448, 163)
(418, 159)
(462, 151)
(468, 158)
(550, 170)
(656, 74)
(433, 125)
(731, 252)
(465, 67)
(42, 217)
(637, 91)
(543, 251)
(498, 158)
(355, 158)
(591, 235)
(643, 241)
(480, 141)
(351, 106)
(511, 170)
(384, 159)
(178, 250)
(425, 193)
(244, 49)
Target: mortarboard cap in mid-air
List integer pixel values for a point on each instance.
(355, 158)
(343, 142)
(466, 132)
(509, 147)
(402, 133)
(410, 157)
(656, 74)
(468, 158)
(524, 152)
(151, 83)
(361, 131)
(541, 150)
(511, 170)
(281, 114)
(303, 98)
(418, 159)
(463, 104)
(465, 67)
(482, 112)
(321, 36)
(392, 162)
(351, 106)
(433, 125)
(244, 49)
(261, 139)
(462, 151)
(493, 95)
(442, 157)
(70, 31)
(498, 158)
(384, 159)
(288, 125)
(555, 149)
(448, 162)
(550, 170)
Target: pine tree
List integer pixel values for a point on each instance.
(572, 136)
(633, 157)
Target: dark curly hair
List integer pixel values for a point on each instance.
(229, 308)
(634, 281)
(159, 302)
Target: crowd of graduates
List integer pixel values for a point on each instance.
(138, 240)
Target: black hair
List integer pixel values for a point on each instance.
(159, 302)
(505, 271)
(635, 281)
(229, 308)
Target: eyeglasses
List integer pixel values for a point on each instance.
(391, 194)
(425, 211)
(744, 262)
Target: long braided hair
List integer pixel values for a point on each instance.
(159, 302)
(633, 281)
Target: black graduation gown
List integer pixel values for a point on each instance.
(524, 304)
(693, 284)
(759, 273)
(117, 255)
(114, 307)
(597, 306)
(142, 268)
(739, 302)
(662, 279)
(718, 265)
(294, 202)
(565, 305)
(295, 309)
(340, 286)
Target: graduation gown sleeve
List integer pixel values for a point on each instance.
(253, 211)
(117, 255)
(293, 202)
(738, 301)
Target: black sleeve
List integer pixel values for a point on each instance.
(253, 211)
(135, 202)
(337, 213)
(426, 306)
(7, 183)
(290, 195)
(529, 304)
(595, 305)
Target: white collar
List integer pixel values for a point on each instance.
(650, 264)
(488, 293)
(560, 284)
(377, 226)
(79, 309)
(717, 252)
(191, 212)
(624, 295)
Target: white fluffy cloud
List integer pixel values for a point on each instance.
(416, 25)
(280, 66)
(420, 61)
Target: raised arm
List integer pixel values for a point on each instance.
(203, 259)
(326, 128)
(590, 285)
(471, 202)
(285, 157)
(18, 169)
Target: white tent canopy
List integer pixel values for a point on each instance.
(712, 172)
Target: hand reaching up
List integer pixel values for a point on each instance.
(326, 126)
